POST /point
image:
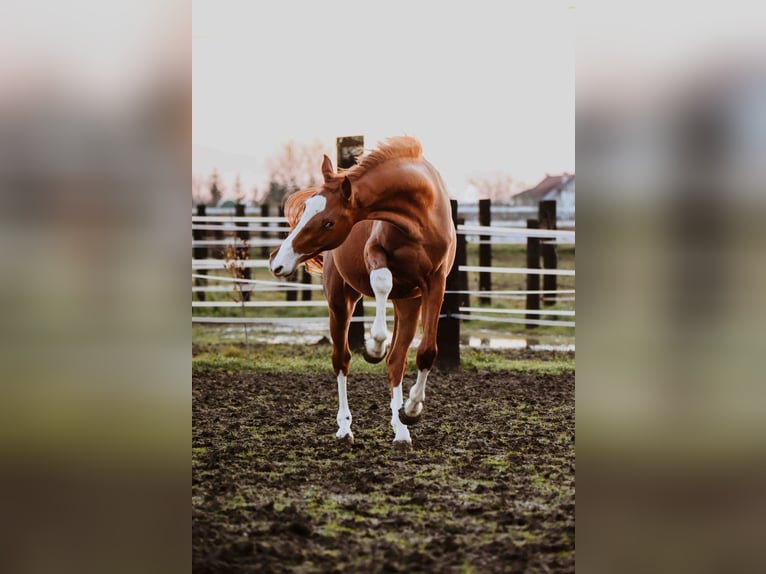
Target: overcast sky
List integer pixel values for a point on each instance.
(485, 85)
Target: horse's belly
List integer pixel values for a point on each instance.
(350, 263)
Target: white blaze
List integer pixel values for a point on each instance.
(286, 257)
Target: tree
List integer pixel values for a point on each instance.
(296, 166)
(276, 193)
(215, 186)
(199, 189)
(497, 186)
(237, 190)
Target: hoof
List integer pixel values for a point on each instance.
(372, 358)
(346, 440)
(402, 445)
(408, 419)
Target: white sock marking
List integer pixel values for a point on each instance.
(402, 433)
(381, 282)
(344, 414)
(417, 394)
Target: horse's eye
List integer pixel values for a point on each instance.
(327, 225)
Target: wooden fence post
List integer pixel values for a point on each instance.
(547, 217)
(485, 250)
(200, 253)
(347, 149)
(306, 280)
(533, 279)
(243, 252)
(461, 258)
(264, 234)
(448, 331)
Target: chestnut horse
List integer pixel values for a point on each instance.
(383, 229)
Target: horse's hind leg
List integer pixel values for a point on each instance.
(405, 326)
(427, 351)
(340, 300)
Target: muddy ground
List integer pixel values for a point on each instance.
(488, 487)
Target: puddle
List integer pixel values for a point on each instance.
(509, 343)
(311, 334)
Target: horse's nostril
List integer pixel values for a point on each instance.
(277, 270)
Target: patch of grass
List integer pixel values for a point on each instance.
(497, 360)
(316, 359)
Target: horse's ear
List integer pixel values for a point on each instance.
(327, 170)
(345, 190)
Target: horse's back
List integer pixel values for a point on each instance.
(411, 260)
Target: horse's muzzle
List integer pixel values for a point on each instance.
(275, 270)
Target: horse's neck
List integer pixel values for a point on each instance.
(397, 196)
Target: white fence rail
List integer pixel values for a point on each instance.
(269, 232)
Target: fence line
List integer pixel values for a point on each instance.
(515, 231)
(273, 304)
(517, 270)
(525, 321)
(561, 312)
(265, 231)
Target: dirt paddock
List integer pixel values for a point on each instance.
(488, 486)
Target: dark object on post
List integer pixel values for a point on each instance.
(533, 279)
(485, 250)
(348, 149)
(448, 331)
(547, 217)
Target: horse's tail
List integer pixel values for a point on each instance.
(295, 203)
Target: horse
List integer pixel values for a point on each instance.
(381, 228)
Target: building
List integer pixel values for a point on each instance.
(558, 187)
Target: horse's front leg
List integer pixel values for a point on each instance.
(381, 282)
(340, 301)
(344, 413)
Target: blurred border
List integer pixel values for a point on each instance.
(671, 425)
(95, 134)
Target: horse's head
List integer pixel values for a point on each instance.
(324, 223)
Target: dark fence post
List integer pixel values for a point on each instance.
(485, 250)
(243, 253)
(200, 253)
(347, 151)
(264, 234)
(448, 331)
(306, 280)
(533, 279)
(547, 217)
(461, 258)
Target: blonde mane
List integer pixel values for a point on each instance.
(401, 147)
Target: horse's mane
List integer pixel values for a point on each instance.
(401, 147)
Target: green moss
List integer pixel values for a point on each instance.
(316, 359)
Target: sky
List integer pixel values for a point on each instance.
(486, 86)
